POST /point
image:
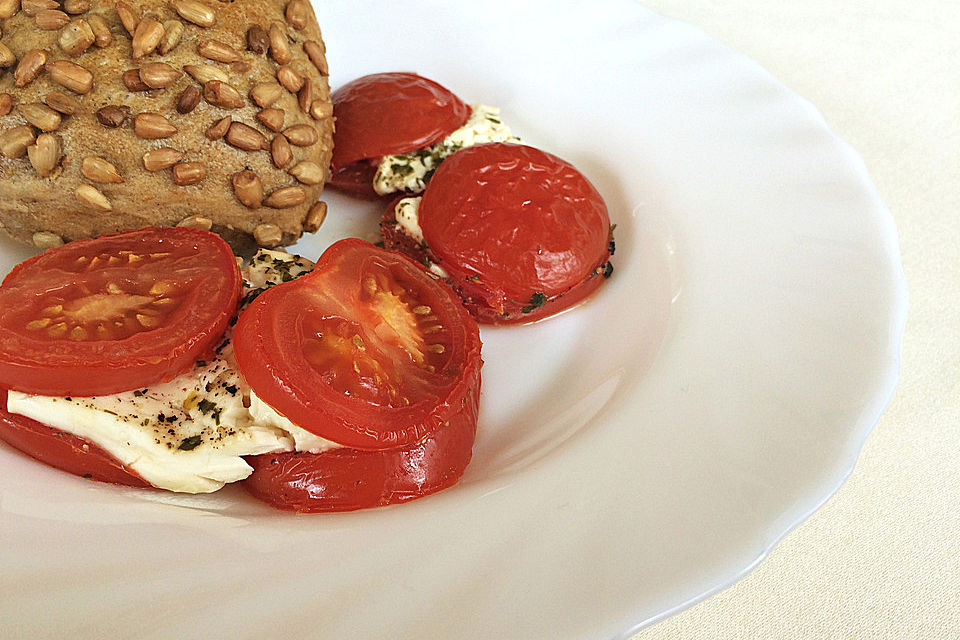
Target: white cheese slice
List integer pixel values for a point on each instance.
(407, 214)
(410, 172)
(189, 434)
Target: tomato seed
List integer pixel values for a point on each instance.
(146, 321)
(57, 330)
(421, 310)
(78, 333)
(437, 348)
(36, 325)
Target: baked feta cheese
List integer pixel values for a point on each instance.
(189, 434)
(410, 172)
(406, 212)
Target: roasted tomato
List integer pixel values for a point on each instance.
(115, 313)
(385, 114)
(520, 233)
(348, 479)
(369, 350)
(62, 450)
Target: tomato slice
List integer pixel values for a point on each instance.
(521, 233)
(348, 479)
(356, 179)
(115, 313)
(369, 350)
(62, 450)
(392, 113)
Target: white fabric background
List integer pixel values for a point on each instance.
(882, 558)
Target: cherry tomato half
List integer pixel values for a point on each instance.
(391, 113)
(348, 479)
(62, 450)
(369, 350)
(115, 313)
(521, 233)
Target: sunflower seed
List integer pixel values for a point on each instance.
(188, 173)
(196, 222)
(91, 196)
(195, 12)
(246, 137)
(70, 75)
(62, 103)
(113, 116)
(248, 188)
(14, 142)
(204, 73)
(266, 94)
(219, 128)
(76, 37)
(147, 37)
(297, 13)
(40, 115)
(268, 235)
(188, 100)
(97, 169)
(221, 94)
(307, 172)
(315, 217)
(44, 154)
(257, 39)
(317, 56)
(158, 75)
(218, 51)
(51, 19)
(280, 152)
(128, 17)
(101, 31)
(272, 119)
(172, 30)
(302, 135)
(286, 197)
(160, 159)
(153, 126)
(279, 46)
(29, 68)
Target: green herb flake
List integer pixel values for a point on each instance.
(401, 169)
(206, 406)
(189, 444)
(537, 300)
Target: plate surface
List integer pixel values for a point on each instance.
(634, 455)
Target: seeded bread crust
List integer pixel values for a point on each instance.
(67, 175)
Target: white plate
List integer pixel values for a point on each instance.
(634, 455)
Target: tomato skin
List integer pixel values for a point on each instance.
(521, 233)
(392, 113)
(204, 288)
(350, 479)
(62, 450)
(296, 343)
(356, 179)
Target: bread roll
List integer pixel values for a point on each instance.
(118, 115)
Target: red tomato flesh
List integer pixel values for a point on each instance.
(62, 450)
(391, 113)
(115, 313)
(349, 479)
(369, 350)
(521, 233)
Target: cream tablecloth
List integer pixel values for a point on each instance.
(882, 558)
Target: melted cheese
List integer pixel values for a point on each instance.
(406, 213)
(410, 172)
(189, 434)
